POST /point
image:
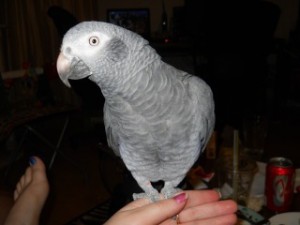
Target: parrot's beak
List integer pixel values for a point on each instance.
(63, 66)
(71, 68)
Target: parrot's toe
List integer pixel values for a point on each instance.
(169, 193)
(153, 197)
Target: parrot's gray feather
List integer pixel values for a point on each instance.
(157, 118)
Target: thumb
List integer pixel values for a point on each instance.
(160, 211)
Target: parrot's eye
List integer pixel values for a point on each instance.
(94, 40)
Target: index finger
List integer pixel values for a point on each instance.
(198, 197)
(136, 204)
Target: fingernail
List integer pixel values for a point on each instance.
(219, 192)
(32, 161)
(180, 198)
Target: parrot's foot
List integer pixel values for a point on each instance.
(170, 192)
(153, 197)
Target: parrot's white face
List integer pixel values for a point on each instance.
(74, 61)
(92, 49)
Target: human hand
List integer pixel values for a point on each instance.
(192, 207)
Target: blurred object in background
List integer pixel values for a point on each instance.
(254, 134)
(245, 174)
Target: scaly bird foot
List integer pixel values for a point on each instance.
(153, 197)
(170, 192)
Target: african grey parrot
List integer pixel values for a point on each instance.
(158, 119)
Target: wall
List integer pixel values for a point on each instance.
(155, 7)
(287, 22)
(288, 17)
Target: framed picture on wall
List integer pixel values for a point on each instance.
(136, 20)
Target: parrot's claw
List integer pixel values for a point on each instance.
(153, 197)
(169, 193)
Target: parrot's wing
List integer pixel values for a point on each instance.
(205, 104)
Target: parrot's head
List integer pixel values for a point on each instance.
(92, 49)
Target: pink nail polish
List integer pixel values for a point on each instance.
(180, 198)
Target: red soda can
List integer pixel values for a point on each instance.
(279, 186)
